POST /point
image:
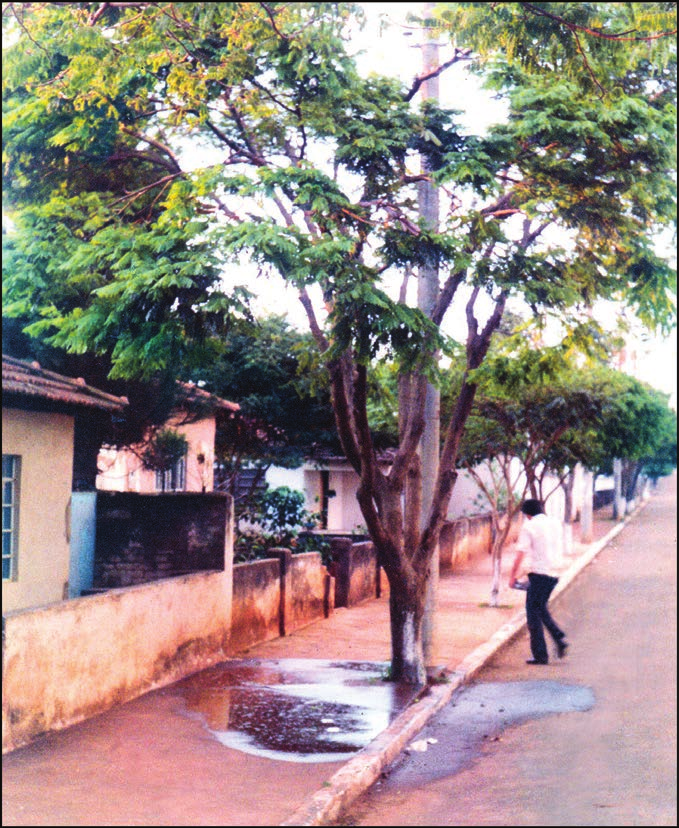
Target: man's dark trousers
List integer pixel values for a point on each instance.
(539, 589)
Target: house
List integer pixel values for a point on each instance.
(39, 413)
(195, 419)
(329, 485)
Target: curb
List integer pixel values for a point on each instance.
(360, 772)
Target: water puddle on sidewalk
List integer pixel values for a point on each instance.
(295, 710)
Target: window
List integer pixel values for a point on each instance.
(174, 479)
(11, 466)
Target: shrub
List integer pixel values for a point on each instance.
(275, 519)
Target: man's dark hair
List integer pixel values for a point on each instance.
(532, 507)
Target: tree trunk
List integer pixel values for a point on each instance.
(407, 653)
(586, 515)
(497, 570)
(501, 526)
(618, 508)
(568, 512)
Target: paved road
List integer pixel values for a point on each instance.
(611, 760)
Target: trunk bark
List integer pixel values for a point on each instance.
(407, 653)
(501, 528)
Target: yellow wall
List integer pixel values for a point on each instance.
(45, 444)
(72, 660)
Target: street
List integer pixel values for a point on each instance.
(599, 745)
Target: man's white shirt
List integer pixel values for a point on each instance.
(541, 541)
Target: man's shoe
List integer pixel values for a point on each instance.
(561, 647)
(536, 661)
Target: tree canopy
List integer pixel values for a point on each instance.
(149, 147)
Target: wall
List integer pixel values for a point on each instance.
(276, 596)
(144, 537)
(122, 471)
(70, 661)
(359, 578)
(256, 603)
(357, 574)
(311, 589)
(463, 538)
(44, 441)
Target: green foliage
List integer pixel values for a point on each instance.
(274, 520)
(661, 457)
(284, 401)
(164, 449)
(553, 411)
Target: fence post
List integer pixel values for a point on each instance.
(285, 607)
(341, 557)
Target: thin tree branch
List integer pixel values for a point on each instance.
(460, 54)
(595, 32)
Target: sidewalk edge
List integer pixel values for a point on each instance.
(360, 772)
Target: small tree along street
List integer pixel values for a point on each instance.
(151, 148)
(537, 416)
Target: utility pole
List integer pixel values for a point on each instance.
(427, 294)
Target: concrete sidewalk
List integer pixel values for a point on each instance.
(149, 763)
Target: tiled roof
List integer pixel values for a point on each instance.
(323, 455)
(195, 393)
(28, 379)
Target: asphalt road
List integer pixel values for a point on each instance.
(588, 740)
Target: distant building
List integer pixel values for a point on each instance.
(123, 470)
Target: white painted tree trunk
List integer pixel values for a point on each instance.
(413, 655)
(586, 511)
(497, 573)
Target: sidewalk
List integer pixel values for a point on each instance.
(148, 763)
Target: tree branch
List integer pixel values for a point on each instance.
(154, 142)
(460, 54)
(594, 32)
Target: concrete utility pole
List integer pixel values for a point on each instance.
(427, 294)
(586, 513)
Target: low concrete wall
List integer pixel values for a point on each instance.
(463, 539)
(275, 596)
(256, 603)
(311, 589)
(356, 571)
(358, 575)
(65, 662)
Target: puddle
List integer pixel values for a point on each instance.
(295, 710)
(478, 714)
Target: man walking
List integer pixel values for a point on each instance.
(540, 543)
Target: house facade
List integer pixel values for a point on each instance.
(39, 410)
(330, 485)
(123, 470)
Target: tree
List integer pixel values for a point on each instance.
(662, 458)
(521, 434)
(636, 424)
(266, 367)
(305, 166)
